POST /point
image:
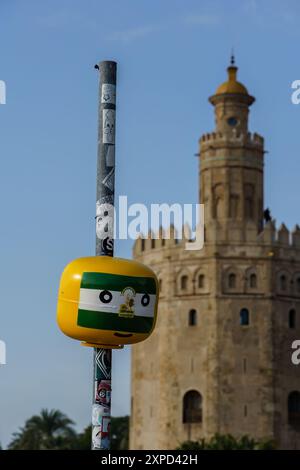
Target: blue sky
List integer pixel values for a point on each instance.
(171, 55)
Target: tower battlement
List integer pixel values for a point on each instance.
(281, 237)
(161, 240)
(249, 139)
(287, 241)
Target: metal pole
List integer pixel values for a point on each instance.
(104, 241)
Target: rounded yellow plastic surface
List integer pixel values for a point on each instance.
(107, 302)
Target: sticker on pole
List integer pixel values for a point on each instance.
(108, 93)
(108, 118)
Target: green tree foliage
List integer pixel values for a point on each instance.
(120, 433)
(49, 430)
(83, 440)
(54, 430)
(228, 442)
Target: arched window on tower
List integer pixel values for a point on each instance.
(218, 209)
(249, 201)
(192, 407)
(143, 244)
(248, 208)
(253, 281)
(244, 317)
(192, 317)
(233, 208)
(283, 282)
(201, 280)
(298, 285)
(232, 281)
(294, 409)
(152, 242)
(292, 319)
(184, 282)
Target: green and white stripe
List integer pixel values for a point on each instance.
(93, 313)
(117, 282)
(89, 300)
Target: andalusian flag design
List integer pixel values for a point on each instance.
(116, 302)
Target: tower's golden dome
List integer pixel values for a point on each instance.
(232, 85)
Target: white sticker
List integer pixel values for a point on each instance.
(98, 411)
(108, 93)
(108, 126)
(96, 437)
(104, 220)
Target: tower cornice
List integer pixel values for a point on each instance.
(223, 98)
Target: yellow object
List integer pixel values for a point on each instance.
(107, 302)
(232, 85)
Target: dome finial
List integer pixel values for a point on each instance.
(232, 86)
(232, 58)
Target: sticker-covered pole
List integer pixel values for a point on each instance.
(104, 241)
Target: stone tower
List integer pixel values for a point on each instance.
(219, 360)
